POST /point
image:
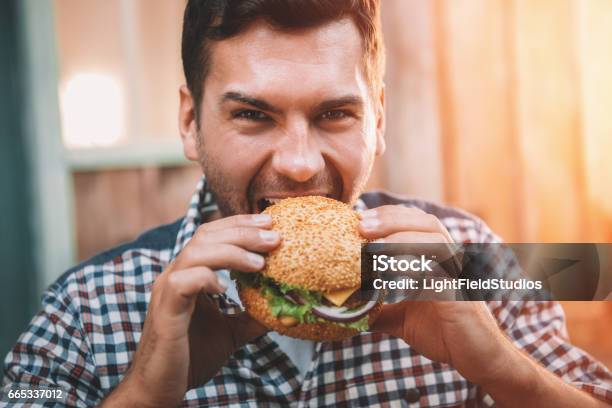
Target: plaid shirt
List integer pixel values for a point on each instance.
(91, 320)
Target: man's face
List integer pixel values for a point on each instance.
(285, 114)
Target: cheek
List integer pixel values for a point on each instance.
(353, 156)
(358, 148)
(236, 157)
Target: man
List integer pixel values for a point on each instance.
(285, 98)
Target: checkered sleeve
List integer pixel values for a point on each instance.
(538, 328)
(53, 352)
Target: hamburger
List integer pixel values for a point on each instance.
(309, 288)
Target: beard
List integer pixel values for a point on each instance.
(233, 199)
(227, 196)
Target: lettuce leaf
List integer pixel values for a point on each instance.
(361, 324)
(283, 307)
(280, 306)
(249, 280)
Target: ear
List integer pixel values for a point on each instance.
(187, 124)
(380, 123)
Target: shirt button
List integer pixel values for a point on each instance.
(412, 395)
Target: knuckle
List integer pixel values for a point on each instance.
(158, 286)
(243, 234)
(245, 218)
(209, 279)
(202, 230)
(173, 282)
(432, 221)
(415, 210)
(229, 252)
(187, 255)
(385, 209)
(239, 220)
(383, 216)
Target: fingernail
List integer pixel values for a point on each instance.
(268, 236)
(261, 219)
(368, 214)
(370, 223)
(255, 260)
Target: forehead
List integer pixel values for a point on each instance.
(262, 59)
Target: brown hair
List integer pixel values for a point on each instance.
(215, 20)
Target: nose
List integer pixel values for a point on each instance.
(298, 155)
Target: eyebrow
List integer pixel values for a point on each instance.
(248, 100)
(265, 106)
(339, 102)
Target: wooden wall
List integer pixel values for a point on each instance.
(502, 107)
(115, 206)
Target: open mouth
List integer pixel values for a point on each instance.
(266, 202)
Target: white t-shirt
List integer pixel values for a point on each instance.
(299, 351)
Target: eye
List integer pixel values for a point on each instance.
(252, 115)
(334, 115)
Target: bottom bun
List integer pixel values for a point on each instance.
(257, 306)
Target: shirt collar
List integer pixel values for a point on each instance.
(203, 204)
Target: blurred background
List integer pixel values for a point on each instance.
(499, 107)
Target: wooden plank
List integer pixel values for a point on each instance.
(550, 120)
(413, 162)
(160, 23)
(594, 32)
(115, 206)
(132, 155)
(166, 192)
(477, 111)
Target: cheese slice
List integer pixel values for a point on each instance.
(338, 297)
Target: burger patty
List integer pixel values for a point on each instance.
(352, 302)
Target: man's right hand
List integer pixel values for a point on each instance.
(186, 339)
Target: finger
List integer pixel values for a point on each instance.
(430, 244)
(220, 256)
(245, 328)
(389, 320)
(395, 218)
(181, 288)
(390, 208)
(426, 243)
(235, 221)
(249, 238)
(383, 221)
(414, 237)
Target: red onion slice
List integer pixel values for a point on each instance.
(339, 314)
(294, 297)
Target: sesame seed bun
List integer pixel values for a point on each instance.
(320, 248)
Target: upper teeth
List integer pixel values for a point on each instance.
(274, 200)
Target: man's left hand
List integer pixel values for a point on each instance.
(463, 334)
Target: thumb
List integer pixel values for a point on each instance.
(244, 328)
(390, 320)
